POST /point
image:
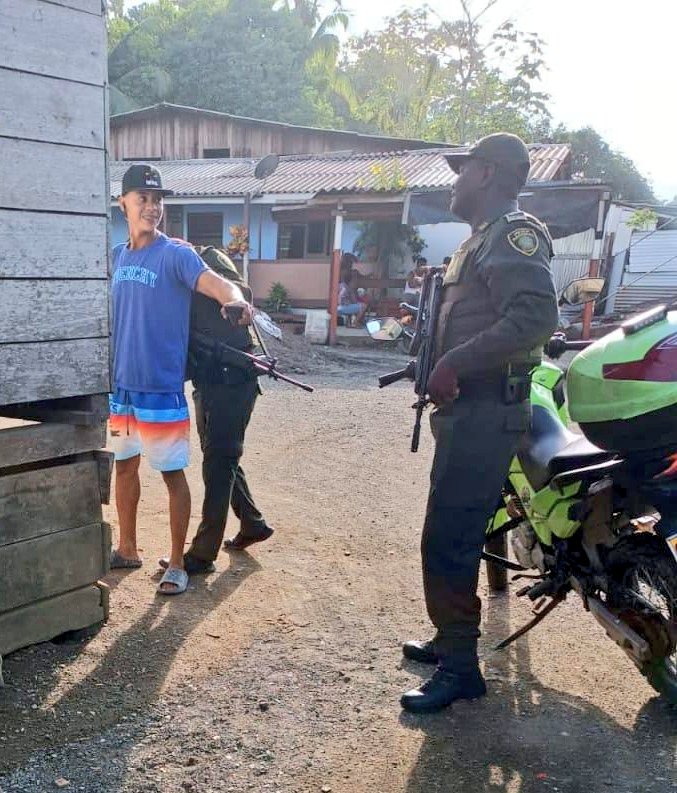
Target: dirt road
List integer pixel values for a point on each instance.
(282, 671)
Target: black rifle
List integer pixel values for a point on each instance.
(423, 347)
(223, 355)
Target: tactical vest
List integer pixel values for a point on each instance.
(206, 321)
(466, 308)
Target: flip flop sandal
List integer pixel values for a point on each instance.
(176, 576)
(118, 562)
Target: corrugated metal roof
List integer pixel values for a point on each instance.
(391, 172)
(198, 177)
(650, 277)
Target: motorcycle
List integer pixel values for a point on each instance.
(596, 513)
(401, 329)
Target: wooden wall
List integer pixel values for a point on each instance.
(54, 315)
(180, 136)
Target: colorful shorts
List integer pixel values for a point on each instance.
(157, 425)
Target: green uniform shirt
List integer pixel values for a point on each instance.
(499, 301)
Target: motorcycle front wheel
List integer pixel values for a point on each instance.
(644, 594)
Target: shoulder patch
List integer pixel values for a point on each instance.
(524, 240)
(455, 267)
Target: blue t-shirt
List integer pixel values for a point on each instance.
(152, 289)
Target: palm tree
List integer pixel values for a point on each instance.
(322, 54)
(128, 70)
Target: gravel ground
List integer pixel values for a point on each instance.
(282, 671)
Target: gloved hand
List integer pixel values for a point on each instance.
(443, 383)
(556, 346)
(239, 312)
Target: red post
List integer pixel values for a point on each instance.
(334, 275)
(589, 307)
(595, 261)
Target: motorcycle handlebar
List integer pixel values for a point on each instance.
(578, 345)
(559, 344)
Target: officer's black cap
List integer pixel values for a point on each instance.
(506, 151)
(143, 177)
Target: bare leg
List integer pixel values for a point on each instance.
(179, 516)
(127, 494)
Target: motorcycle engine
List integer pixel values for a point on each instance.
(526, 548)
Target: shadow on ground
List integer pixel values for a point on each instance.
(547, 741)
(128, 677)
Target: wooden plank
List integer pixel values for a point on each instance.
(47, 109)
(47, 566)
(46, 176)
(49, 500)
(40, 622)
(86, 411)
(36, 442)
(40, 245)
(51, 39)
(53, 369)
(105, 463)
(51, 310)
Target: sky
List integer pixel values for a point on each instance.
(610, 69)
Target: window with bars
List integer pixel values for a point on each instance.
(205, 228)
(303, 240)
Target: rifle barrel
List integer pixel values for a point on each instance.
(272, 372)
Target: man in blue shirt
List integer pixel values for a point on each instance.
(152, 283)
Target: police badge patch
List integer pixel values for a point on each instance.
(524, 240)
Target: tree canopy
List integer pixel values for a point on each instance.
(448, 79)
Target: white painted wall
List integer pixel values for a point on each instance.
(442, 240)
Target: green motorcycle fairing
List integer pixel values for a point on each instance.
(547, 510)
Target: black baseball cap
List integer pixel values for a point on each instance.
(143, 177)
(506, 151)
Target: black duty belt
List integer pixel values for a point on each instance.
(511, 384)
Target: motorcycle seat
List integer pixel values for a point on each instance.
(549, 449)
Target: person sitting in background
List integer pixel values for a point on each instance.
(412, 289)
(349, 305)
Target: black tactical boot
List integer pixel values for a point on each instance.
(423, 652)
(241, 541)
(443, 688)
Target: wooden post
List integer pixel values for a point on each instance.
(589, 307)
(593, 270)
(335, 275)
(246, 223)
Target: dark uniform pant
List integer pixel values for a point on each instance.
(475, 440)
(222, 413)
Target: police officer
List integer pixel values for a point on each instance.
(224, 400)
(498, 308)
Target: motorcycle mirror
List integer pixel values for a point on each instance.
(582, 290)
(384, 329)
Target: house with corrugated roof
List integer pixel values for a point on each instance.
(293, 212)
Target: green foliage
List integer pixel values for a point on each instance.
(278, 298)
(387, 242)
(419, 76)
(594, 158)
(642, 220)
(425, 77)
(388, 177)
(249, 57)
